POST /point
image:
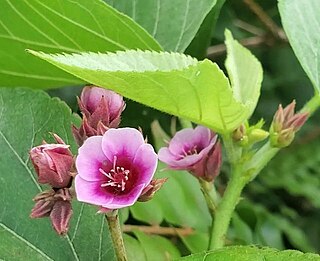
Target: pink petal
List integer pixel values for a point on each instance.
(125, 200)
(90, 159)
(145, 163)
(188, 138)
(122, 142)
(92, 192)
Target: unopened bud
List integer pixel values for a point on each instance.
(150, 190)
(101, 109)
(285, 124)
(53, 163)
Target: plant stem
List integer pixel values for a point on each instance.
(312, 105)
(210, 196)
(226, 207)
(116, 235)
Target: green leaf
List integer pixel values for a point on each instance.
(157, 248)
(248, 253)
(199, 45)
(60, 26)
(134, 249)
(26, 118)
(301, 21)
(173, 23)
(245, 72)
(170, 82)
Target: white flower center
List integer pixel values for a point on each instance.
(118, 176)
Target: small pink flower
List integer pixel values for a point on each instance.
(195, 150)
(113, 169)
(101, 110)
(52, 163)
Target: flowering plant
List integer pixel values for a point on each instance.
(162, 155)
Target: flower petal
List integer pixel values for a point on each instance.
(92, 192)
(90, 159)
(122, 142)
(145, 163)
(186, 139)
(125, 200)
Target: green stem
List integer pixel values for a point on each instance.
(116, 235)
(211, 198)
(241, 174)
(209, 194)
(226, 207)
(185, 123)
(260, 159)
(312, 105)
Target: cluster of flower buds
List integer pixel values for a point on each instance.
(54, 166)
(285, 124)
(195, 150)
(246, 135)
(101, 109)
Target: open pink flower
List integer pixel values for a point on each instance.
(113, 169)
(195, 150)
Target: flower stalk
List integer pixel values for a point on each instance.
(116, 235)
(226, 207)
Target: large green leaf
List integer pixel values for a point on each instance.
(249, 253)
(170, 82)
(301, 22)
(245, 72)
(26, 118)
(60, 26)
(173, 23)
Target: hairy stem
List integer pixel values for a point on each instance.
(243, 171)
(226, 207)
(116, 235)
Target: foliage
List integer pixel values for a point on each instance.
(100, 45)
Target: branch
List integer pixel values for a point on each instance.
(167, 231)
(254, 41)
(275, 30)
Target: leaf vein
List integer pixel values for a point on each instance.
(25, 241)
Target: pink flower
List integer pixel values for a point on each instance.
(195, 150)
(101, 110)
(53, 163)
(114, 169)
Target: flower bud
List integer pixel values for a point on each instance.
(209, 166)
(285, 124)
(55, 204)
(101, 109)
(52, 163)
(60, 216)
(149, 191)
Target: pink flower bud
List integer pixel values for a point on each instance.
(285, 124)
(195, 150)
(55, 204)
(52, 163)
(101, 110)
(149, 191)
(60, 216)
